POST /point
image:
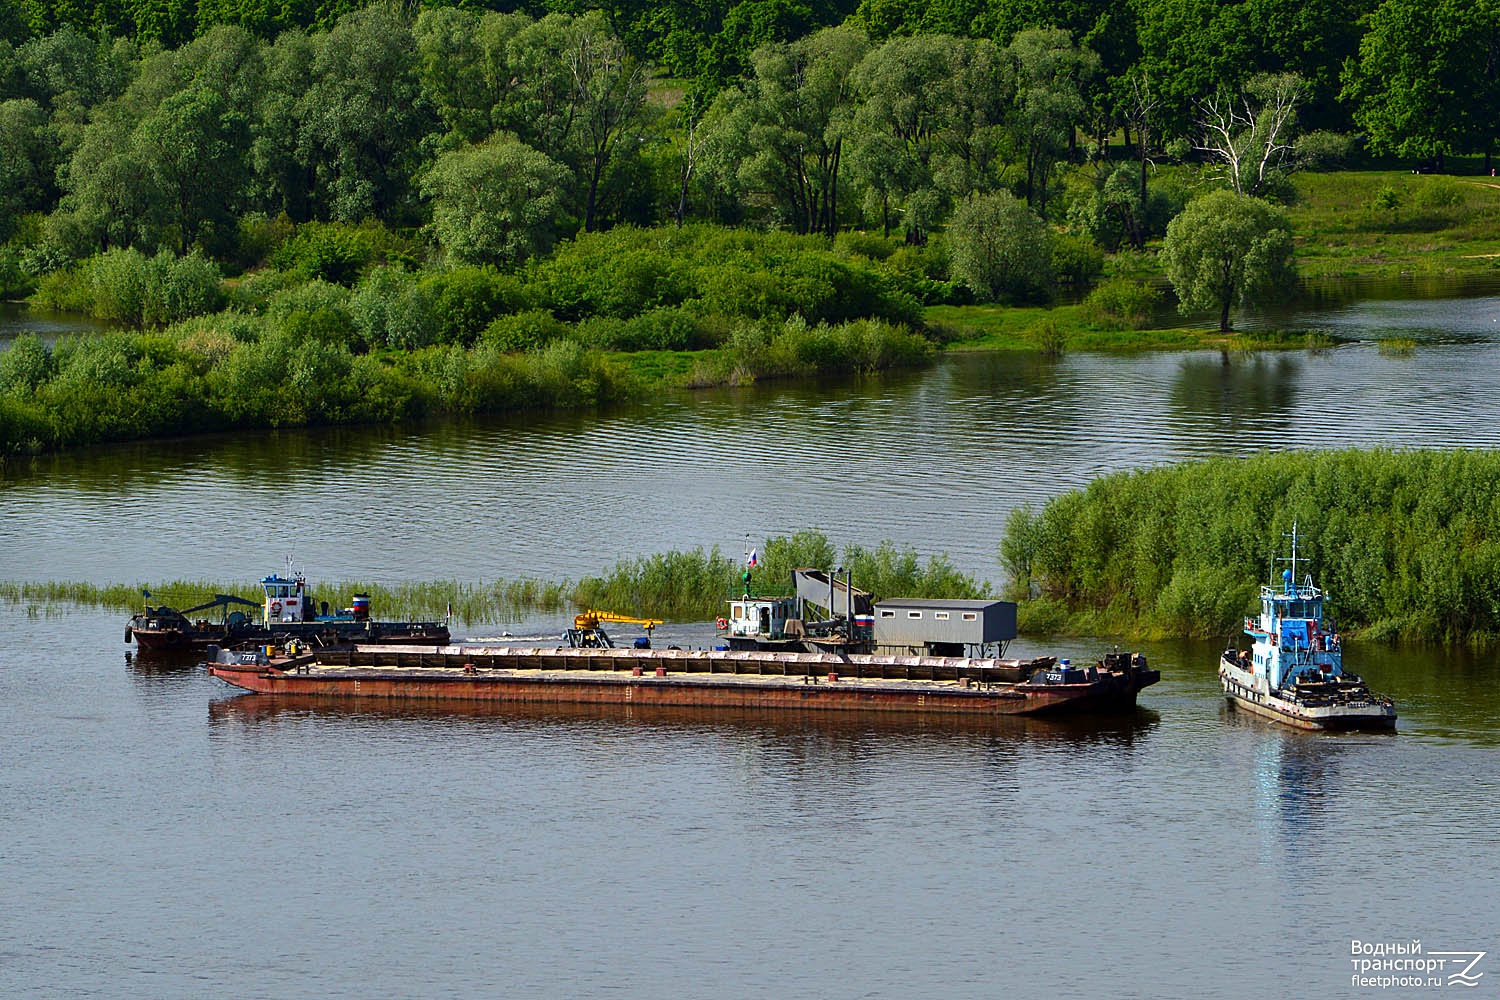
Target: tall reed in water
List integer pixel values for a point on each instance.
(1406, 543)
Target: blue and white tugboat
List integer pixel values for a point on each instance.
(1293, 671)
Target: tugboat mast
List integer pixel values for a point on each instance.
(1291, 581)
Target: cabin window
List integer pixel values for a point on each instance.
(971, 616)
(941, 616)
(914, 614)
(887, 614)
(737, 610)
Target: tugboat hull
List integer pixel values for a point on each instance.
(1358, 710)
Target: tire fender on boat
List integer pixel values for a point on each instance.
(129, 633)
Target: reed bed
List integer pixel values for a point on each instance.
(470, 602)
(679, 585)
(1407, 544)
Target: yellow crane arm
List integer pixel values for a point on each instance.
(591, 619)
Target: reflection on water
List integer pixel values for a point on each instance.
(934, 459)
(1294, 773)
(1377, 309)
(1233, 399)
(16, 319)
(252, 712)
(1434, 289)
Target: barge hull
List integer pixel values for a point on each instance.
(701, 691)
(390, 634)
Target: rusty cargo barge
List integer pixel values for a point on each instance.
(676, 677)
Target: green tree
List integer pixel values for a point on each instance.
(66, 72)
(194, 144)
(783, 132)
(1000, 249)
(454, 63)
(282, 163)
(1195, 48)
(1427, 80)
(1226, 248)
(111, 197)
(609, 88)
(974, 143)
(363, 119)
(26, 162)
(13, 27)
(1050, 72)
(495, 202)
(905, 102)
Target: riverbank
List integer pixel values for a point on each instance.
(635, 314)
(1069, 328)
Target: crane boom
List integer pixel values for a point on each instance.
(588, 634)
(591, 619)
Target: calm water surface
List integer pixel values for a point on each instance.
(934, 459)
(163, 837)
(160, 836)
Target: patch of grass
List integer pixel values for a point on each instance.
(472, 603)
(1070, 328)
(664, 367)
(1384, 223)
(1397, 347)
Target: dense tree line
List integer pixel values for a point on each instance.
(160, 124)
(1382, 62)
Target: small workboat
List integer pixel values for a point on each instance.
(1293, 671)
(287, 612)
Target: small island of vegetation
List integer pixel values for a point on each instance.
(1404, 543)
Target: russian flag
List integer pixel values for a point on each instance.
(753, 559)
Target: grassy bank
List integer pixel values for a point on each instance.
(471, 602)
(1063, 329)
(678, 586)
(1384, 224)
(1407, 544)
(207, 374)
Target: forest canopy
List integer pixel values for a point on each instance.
(158, 124)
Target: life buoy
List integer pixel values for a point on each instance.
(721, 622)
(275, 607)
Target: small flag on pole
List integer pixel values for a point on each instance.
(753, 559)
(145, 592)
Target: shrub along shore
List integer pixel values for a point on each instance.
(1406, 544)
(678, 586)
(341, 325)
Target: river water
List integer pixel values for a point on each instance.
(161, 836)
